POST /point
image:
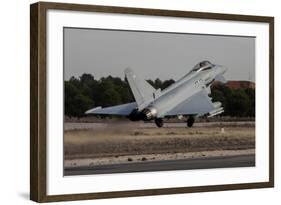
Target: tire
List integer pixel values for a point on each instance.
(159, 122)
(190, 121)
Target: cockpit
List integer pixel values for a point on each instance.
(203, 65)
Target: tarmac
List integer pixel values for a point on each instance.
(166, 165)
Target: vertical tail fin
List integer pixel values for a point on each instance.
(142, 90)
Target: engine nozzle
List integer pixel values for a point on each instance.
(149, 113)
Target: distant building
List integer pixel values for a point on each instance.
(235, 84)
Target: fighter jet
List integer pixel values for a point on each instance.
(187, 98)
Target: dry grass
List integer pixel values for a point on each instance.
(119, 141)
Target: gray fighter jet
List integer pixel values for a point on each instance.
(188, 97)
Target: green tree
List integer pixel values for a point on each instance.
(238, 103)
(167, 83)
(251, 95)
(75, 102)
(157, 83)
(110, 97)
(151, 82)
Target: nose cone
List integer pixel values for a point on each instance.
(221, 69)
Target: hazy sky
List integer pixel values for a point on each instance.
(154, 55)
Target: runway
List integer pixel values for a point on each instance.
(80, 126)
(184, 164)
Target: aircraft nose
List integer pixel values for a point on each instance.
(221, 69)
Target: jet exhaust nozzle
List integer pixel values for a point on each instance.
(146, 114)
(149, 113)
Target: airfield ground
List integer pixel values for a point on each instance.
(92, 145)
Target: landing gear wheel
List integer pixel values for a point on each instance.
(190, 121)
(159, 122)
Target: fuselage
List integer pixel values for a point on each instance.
(187, 86)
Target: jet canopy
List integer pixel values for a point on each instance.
(203, 65)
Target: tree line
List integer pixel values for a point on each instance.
(85, 92)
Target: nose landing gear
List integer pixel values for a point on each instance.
(159, 122)
(190, 121)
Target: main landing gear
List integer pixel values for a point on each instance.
(159, 122)
(190, 121)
